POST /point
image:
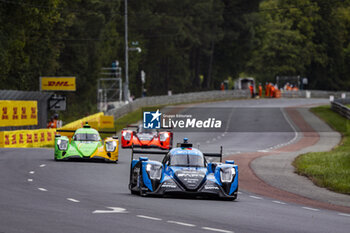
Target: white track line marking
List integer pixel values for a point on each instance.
(239, 193)
(42, 165)
(345, 215)
(215, 229)
(31, 172)
(111, 211)
(263, 151)
(255, 197)
(308, 208)
(42, 189)
(30, 180)
(73, 200)
(182, 223)
(148, 217)
(279, 202)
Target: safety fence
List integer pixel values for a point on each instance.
(339, 106)
(314, 94)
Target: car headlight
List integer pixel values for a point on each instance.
(154, 171)
(62, 144)
(111, 145)
(127, 136)
(163, 137)
(226, 175)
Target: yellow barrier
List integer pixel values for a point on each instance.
(18, 113)
(46, 137)
(92, 119)
(96, 121)
(106, 122)
(27, 138)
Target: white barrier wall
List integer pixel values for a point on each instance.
(177, 99)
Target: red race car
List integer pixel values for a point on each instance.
(146, 138)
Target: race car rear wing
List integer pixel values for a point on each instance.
(73, 131)
(150, 152)
(137, 126)
(218, 155)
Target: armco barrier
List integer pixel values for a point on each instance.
(177, 99)
(339, 106)
(313, 94)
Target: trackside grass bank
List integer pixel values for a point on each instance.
(329, 169)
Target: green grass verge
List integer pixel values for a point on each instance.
(329, 169)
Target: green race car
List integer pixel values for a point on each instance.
(86, 143)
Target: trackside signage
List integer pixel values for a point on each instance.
(57, 84)
(18, 113)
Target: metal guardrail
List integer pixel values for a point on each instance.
(339, 106)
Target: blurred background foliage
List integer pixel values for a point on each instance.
(187, 45)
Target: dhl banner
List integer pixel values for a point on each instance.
(18, 113)
(57, 84)
(27, 138)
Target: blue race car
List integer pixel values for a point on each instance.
(184, 170)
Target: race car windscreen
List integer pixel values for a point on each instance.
(143, 130)
(187, 160)
(86, 137)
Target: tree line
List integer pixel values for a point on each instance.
(187, 45)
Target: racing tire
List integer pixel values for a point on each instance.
(133, 192)
(141, 192)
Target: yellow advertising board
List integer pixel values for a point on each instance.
(106, 122)
(57, 84)
(27, 138)
(18, 113)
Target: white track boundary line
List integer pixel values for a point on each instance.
(181, 223)
(148, 217)
(73, 200)
(308, 208)
(279, 202)
(217, 230)
(345, 215)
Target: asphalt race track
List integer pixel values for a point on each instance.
(38, 194)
